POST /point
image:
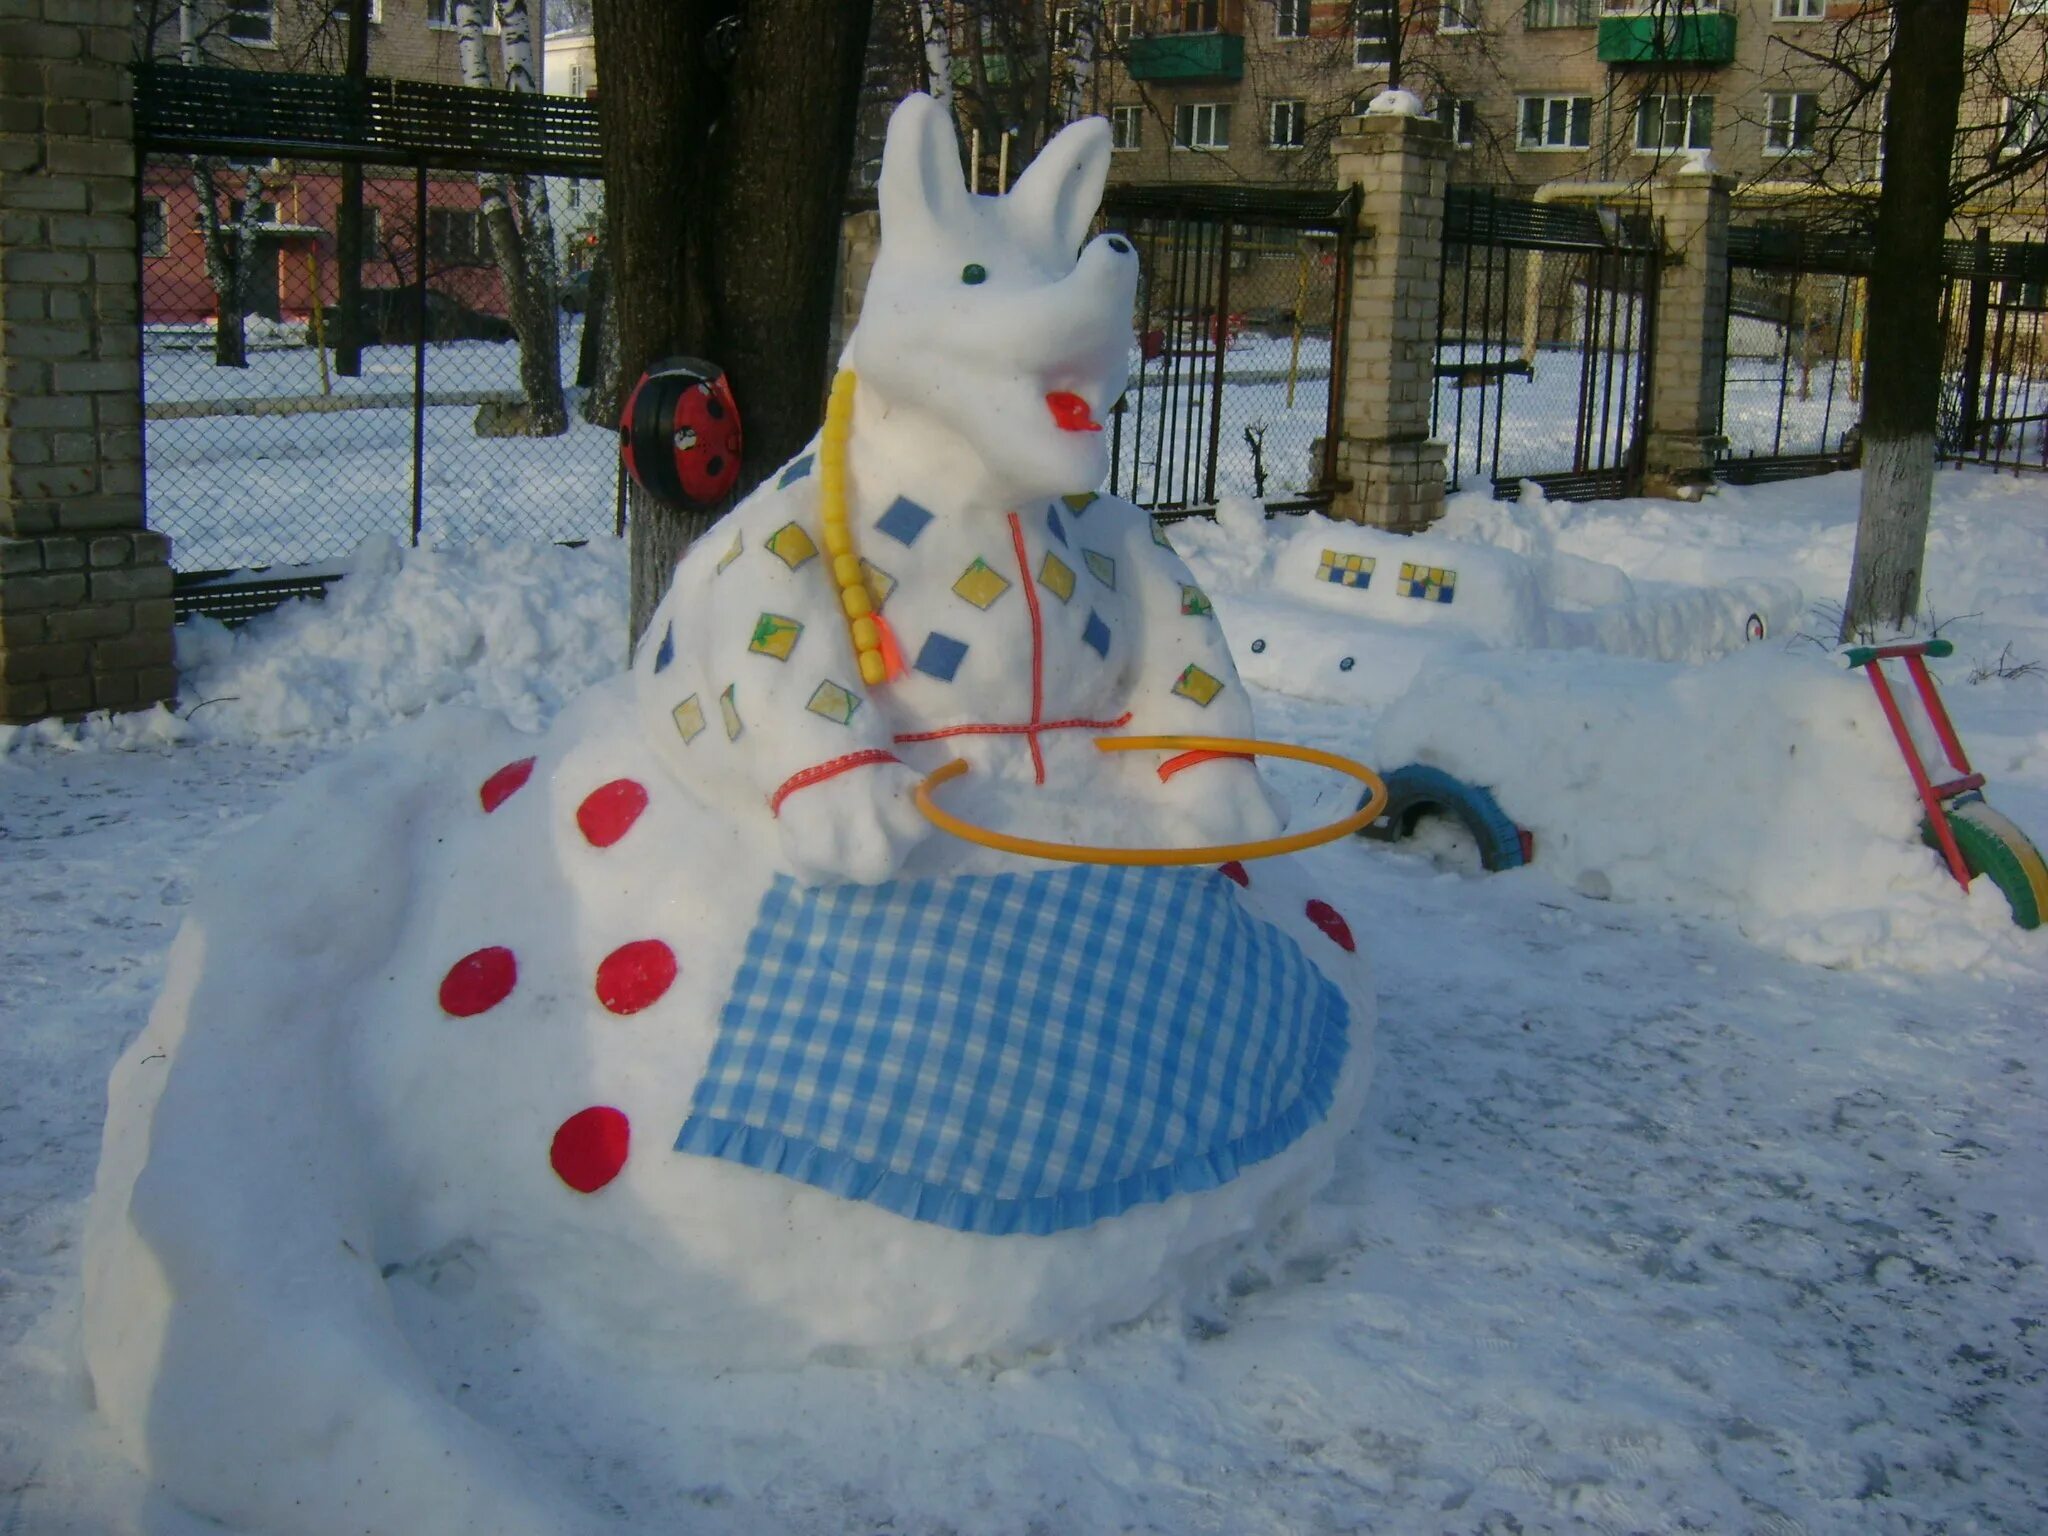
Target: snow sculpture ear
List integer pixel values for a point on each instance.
(1060, 190)
(922, 191)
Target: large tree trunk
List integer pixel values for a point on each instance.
(522, 245)
(724, 186)
(1902, 368)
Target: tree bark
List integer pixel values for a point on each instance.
(1902, 367)
(230, 250)
(523, 246)
(724, 190)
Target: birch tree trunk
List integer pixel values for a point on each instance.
(935, 22)
(1902, 366)
(525, 256)
(230, 247)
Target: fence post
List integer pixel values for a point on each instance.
(1690, 356)
(1389, 473)
(85, 590)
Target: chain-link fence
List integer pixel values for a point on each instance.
(261, 452)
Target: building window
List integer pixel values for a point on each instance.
(2026, 124)
(1674, 122)
(452, 236)
(1126, 127)
(1194, 15)
(342, 8)
(1538, 15)
(1374, 29)
(1066, 28)
(1285, 124)
(1123, 20)
(266, 211)
(441, 13)
(1201, 125)
(155, 234)
(1458, 16)
(1290, 19)
(253, 22)
(1460, 117)
(1556, 122)
(1789, 120)
(1809, 10)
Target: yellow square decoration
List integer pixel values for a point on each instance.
(1198, 685)
(880, 583)
(689, 718)
(731, 711)
(1056, 576)
(833, 702)
(729, 556)
(791, 545)
(1346, 570)
(1429, 583)
(980, 585)
(1080, 501)
(774, 635)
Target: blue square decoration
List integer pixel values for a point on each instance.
(1095, 633)
(904, 520)
(940, 657)
(798, 468)
(1052, 520)
(666, 653)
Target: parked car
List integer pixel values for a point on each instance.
(390, 316)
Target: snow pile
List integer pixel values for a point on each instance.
(1765, 788)
(518, 628)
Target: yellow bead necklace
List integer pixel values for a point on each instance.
(867, 627)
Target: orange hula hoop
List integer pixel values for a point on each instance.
(1217, 853)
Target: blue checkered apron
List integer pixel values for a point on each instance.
(1017, 1052)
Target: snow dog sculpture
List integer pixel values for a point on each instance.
(682, 1022)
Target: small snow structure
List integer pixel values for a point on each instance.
(680, 1027)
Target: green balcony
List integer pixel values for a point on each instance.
(1185, 57)
(1688, 37)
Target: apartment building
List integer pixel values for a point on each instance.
(1532, 91)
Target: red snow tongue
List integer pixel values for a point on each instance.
(1070, 412)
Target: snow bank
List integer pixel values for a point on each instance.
(1765, 788)
(517, 628)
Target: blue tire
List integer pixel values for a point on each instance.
(1418, 790)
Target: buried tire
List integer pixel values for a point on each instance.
(1418, 790)
(1990, 845)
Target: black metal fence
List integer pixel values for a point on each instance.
(1995, 320)
(1797, 318)
(1544, 345)
(1237, 386)
(259, 450)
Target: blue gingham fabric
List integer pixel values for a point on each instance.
(1017, 1052)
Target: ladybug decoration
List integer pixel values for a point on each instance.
(680, 435)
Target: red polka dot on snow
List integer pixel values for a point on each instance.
(479, 981)
(590, 1148)
(505, 783)
(609, 811)
(635, 975)
(1236, 871)
(1325, 917)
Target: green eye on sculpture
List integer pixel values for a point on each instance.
(973, 272)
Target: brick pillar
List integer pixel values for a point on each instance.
(1389, 473)
(860, 241)
(1691, 209)
(85, 590)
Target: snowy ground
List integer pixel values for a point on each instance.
(1647, 1227)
